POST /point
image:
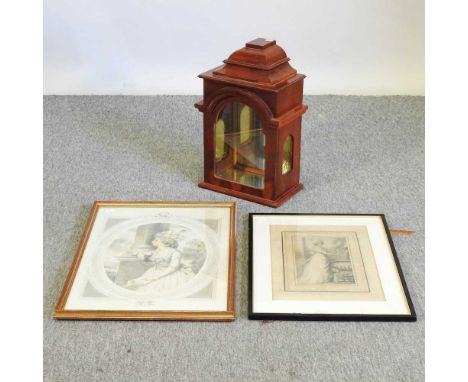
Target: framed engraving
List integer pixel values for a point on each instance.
(153, 261)
(317, 267)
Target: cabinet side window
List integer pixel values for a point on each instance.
(287, 155)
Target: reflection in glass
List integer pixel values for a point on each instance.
(286, 167)
(240, 146)
(221, 149)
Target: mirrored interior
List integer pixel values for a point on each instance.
(286, 166)
(240, 146)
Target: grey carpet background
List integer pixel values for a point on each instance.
(359, 155)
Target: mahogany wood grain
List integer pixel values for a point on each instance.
(258, 75)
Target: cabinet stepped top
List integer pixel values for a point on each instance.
(260, 64)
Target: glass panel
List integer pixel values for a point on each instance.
(246, 119)
(287, 155)
(221, 149)
(242, 156)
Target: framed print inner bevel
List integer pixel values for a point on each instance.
(153, 261)
(325, 267)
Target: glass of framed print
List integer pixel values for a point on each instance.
(325, 267)
(153, 261)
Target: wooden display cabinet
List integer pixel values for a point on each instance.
(252, 111)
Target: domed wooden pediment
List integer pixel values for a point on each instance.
(261, 63)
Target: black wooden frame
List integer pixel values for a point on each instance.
(328, 317)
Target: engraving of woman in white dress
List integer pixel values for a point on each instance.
(171, 269)
(316, 268)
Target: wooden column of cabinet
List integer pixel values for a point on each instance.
(260, 77)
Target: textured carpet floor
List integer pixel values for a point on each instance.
(360, 154)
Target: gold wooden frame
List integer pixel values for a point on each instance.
(228, 315)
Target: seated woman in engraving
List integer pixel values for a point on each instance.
(316, 268)
(169, 271)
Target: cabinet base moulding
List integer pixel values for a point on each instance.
(252, 198)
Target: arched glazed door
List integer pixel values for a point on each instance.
(287, 162)
(240, 146)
